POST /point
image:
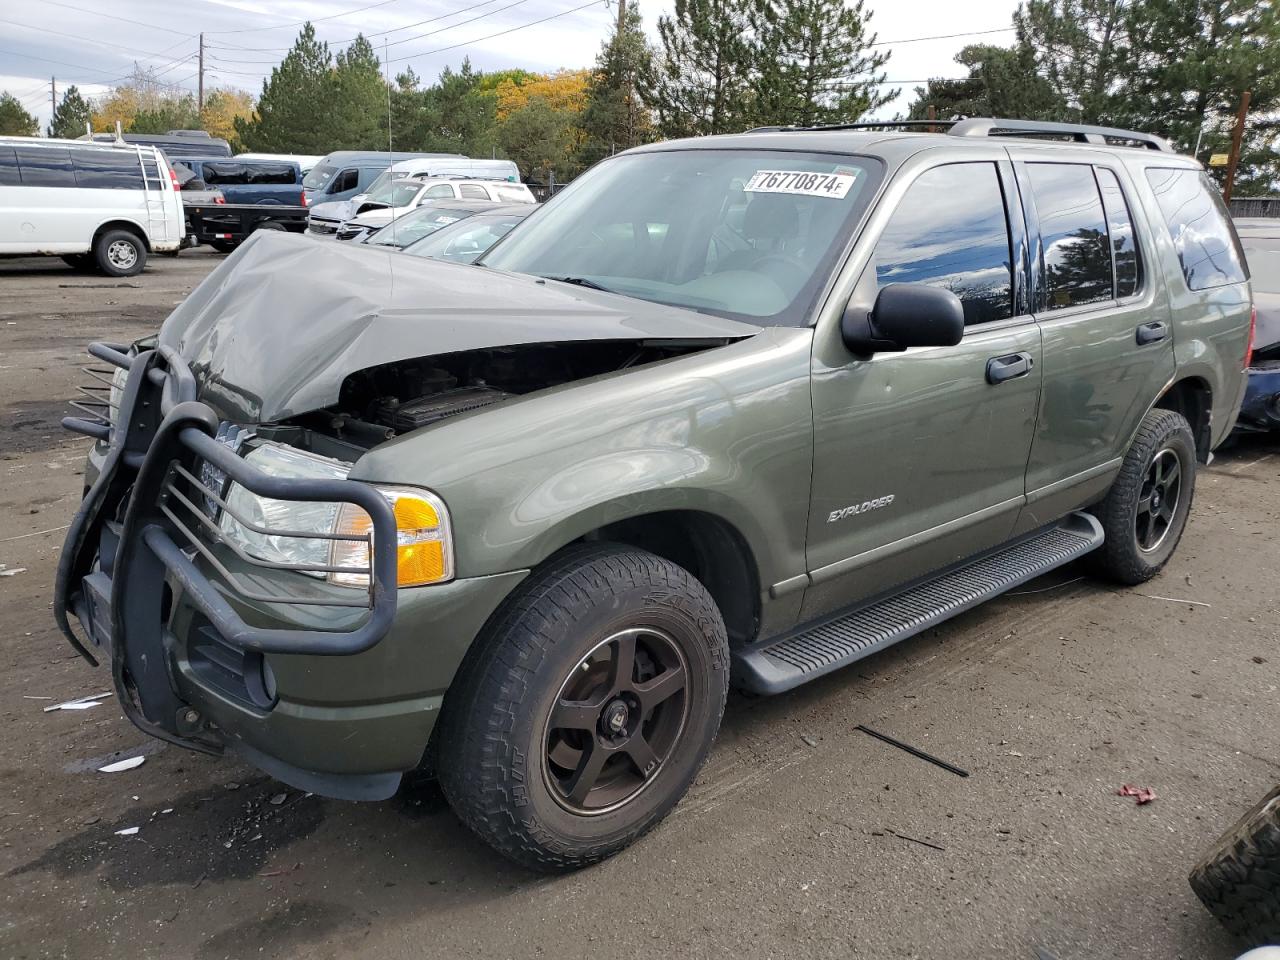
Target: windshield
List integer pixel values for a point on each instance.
(319, 175)
(415, 225)
(396, 193)
(747, 234)
(466, 242)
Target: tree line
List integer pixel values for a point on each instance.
(1171, 67)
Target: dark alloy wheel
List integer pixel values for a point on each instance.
(585, 708)
(1158, 500)
(1146, 509)
(615, 721)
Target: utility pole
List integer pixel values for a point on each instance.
(200, 82)
(53, 98)
(1237, 137)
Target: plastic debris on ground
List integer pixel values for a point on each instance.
(80, 703)
(122, 765)
(7, 572)
(1140, 794)
(127, 832)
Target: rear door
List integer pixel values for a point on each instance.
(1104, 315)
(919, 457)
(164, 219)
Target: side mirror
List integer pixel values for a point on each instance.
(905, 315)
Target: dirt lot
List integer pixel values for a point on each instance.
(802, 837)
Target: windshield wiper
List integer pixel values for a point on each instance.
(579, 282)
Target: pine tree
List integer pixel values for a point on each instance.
(1197, 57)
(816, 62)
(71, 115)
(358, 112)
(702, 80)
(462, 113)
(14, 120)
(1002, 82)
(294, 111)
(1083, 49)
(615, 118)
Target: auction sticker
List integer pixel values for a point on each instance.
(803, 182)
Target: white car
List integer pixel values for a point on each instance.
(94, 204)
(327, 219)
(398, 197)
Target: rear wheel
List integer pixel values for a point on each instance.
(119, 253)
(587, 707)
(1146, 509)
(223, 246)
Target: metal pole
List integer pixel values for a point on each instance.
(200, 82)
(1237, 137)
(53, 100)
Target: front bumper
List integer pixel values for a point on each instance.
(330, 689)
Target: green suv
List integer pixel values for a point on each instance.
(739, 409)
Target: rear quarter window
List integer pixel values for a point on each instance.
(107, 170)
(9, 176)
(1203, 236)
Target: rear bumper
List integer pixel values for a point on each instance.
(330, 689)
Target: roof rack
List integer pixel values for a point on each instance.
(1079, 132)
(864, 125)
(996, 127)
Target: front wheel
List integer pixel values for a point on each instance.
(587, 707)
(1146, 509)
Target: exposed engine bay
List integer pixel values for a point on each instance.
(379, 403)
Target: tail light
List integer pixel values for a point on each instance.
(219, 199)
(173, 178)
(1253, 329)
(304, 198)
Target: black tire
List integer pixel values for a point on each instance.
(1142, 528)
(119, 253)
(501, 751)
(78, 261)
(1239, 879)
(223, 246)
(268, 225)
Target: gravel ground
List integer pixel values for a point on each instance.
(802, 837)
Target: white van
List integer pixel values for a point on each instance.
(93, 204)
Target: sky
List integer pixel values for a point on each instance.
(91, 44)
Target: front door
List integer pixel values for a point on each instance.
(920, 457)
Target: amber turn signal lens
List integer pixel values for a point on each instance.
(423, 545)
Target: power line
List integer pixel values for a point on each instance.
(377, 33)
(78, 66)
(112, 16)
(73, 36)
(500, 33)
(942, 36)
(298, 23)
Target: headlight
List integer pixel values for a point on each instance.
(424, 546)
(118, 380)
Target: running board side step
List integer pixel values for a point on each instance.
(781, 664)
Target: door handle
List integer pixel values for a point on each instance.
(1152, 332)
(1010, 367)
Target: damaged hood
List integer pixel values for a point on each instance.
(277, 327)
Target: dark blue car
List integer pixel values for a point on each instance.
(250, 181)
(1261, 241)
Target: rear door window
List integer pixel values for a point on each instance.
(474, 191)
(1124, 249)
(1073, 233)
(107, 169)
(1207, 245)
(951, 231)
(45, 167)
(441, 191)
